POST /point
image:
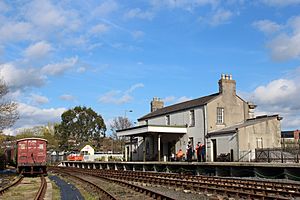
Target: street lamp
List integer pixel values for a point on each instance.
(123, 152)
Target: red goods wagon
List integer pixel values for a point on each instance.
(31, 156)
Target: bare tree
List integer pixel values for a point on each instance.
(119, 123)
(8, 108)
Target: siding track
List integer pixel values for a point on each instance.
(11, 185)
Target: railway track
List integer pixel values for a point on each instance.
(42, 190)
(116, 189)
(13, 186)
(10, 185)
(229, 187)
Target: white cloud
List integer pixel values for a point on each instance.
(281, 2)
(183, 4)
(173, 99)
(221, 16)
(33, 116)
(115, 97)
(38, 49)
(138, 34)
(21, 78)
(67, 97)
(267, 26)
(44, 14)
(105, 8)
(286, 44)
(119, 97)
(59, 68)
(99, 28)
(81, 69)
(15, 31)
(3, 7)
(182, 99)
(277, 91)
(38, 99)
(138, 13)
(169, 99)
(280, 96)
(284, 47)
(134, 87)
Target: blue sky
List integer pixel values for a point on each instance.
(114, 55)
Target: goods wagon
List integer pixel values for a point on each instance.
(29, 155)
(10, 156)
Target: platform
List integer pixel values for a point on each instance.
(223, 169)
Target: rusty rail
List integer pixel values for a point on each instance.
(14, 183)
(136, 188)
(42, 190)
(225, 186)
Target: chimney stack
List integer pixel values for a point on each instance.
(227, 86)
(251, 107)
(156, 104)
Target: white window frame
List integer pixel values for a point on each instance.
(259, 143)
(168, 120)
(220, 115)
(192, 118)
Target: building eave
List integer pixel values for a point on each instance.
(147, 129)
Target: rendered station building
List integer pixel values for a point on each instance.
(223, 121)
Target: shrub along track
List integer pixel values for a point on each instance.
(229, 187)
(117, 189)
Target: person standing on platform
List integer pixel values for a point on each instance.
(198, 151)
(189, 151)
(203, 152)
(179, 155)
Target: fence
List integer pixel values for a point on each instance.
(282, 155)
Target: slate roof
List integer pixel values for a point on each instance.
(180, 106)
(248, 122)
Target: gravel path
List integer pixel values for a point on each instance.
(67, 190)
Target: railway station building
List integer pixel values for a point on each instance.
(223, 122)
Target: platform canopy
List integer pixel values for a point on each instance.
(146, 129)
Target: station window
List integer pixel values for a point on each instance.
(220, 115)
(168, 122)
(192, 118)
(259, 143)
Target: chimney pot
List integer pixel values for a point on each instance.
(156, 104)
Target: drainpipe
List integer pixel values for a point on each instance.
(205, 128)
(237, 143)
(144, 149)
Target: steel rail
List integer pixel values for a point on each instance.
(42, 190)
(14, 183)
(214, 186)
(275, 187)
(136, 188)
(237, 191)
